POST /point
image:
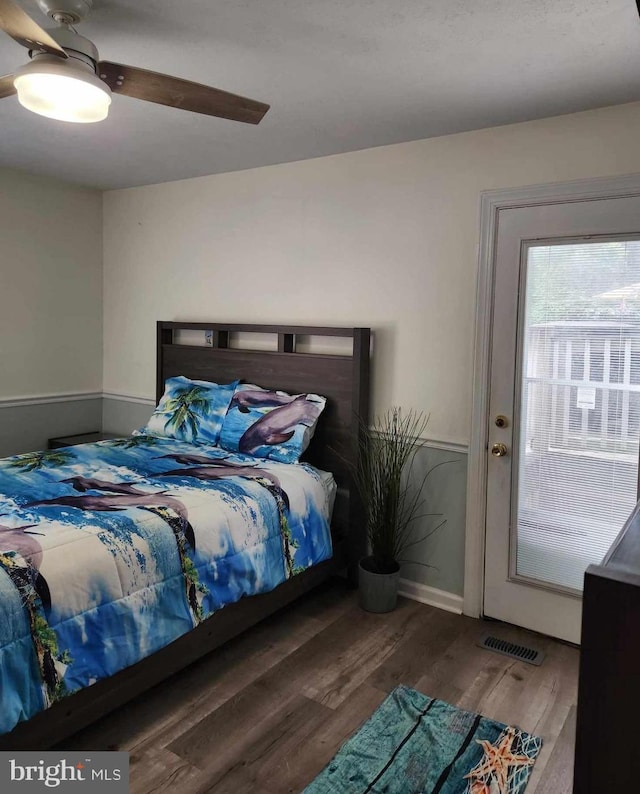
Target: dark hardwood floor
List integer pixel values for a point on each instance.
(267, 711)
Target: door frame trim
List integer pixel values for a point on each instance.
(491, 202)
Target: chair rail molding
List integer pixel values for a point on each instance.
(128, 398)
(46, 399)
(491, 203)
(67, 397)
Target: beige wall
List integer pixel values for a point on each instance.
(50, 287)
(385, 237)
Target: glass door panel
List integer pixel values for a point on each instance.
(578, 415)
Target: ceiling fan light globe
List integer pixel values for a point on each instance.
(58, 92)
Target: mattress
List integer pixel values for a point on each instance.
(110, 551)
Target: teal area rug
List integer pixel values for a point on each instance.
(414, 744)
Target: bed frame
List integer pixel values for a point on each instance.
(344, 381)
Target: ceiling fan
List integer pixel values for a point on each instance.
(66, 80)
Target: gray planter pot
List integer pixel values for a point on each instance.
(378, 592)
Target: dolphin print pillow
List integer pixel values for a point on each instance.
(190, 410)
(270, 424)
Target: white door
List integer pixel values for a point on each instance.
(564, 407)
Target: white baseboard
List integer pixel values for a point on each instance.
(431, 595)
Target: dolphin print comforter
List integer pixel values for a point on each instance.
(110, 551)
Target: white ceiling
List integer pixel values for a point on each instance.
(340, 75)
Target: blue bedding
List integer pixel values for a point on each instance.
(111, 551)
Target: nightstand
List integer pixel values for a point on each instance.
(80, 438)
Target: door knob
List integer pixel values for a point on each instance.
(499, 450)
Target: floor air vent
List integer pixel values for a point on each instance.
(506, 648)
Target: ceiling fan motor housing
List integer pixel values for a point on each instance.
(69, 11)
(75, 45)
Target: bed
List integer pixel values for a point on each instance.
(145, 553)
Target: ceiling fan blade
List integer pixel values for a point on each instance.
(19, 25)
(6, 86)
(178, 93)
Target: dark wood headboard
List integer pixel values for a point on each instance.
(342, 379)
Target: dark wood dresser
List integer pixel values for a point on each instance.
(607, 752)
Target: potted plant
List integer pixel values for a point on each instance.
(391, 499)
